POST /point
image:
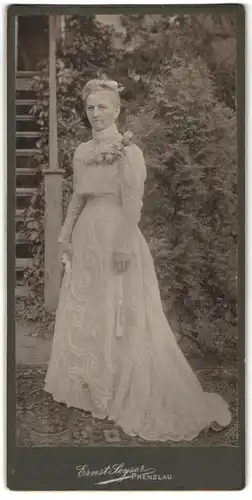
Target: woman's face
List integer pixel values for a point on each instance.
(102, 109)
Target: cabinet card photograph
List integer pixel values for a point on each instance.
(125, 247)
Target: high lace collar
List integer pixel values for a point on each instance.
(108, 134)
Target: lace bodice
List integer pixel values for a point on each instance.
(122, 178)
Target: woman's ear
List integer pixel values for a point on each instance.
(85, 120)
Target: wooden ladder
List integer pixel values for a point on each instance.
(27, 134)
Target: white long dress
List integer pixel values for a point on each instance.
(113, 351)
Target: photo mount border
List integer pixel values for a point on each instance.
(192, 468)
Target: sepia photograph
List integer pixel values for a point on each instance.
(126, 230)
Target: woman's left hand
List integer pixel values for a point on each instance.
(121, 262)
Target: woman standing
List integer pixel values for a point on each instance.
(113, 352)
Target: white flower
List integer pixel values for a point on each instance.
(127, 136)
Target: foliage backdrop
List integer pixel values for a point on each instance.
(181, 109)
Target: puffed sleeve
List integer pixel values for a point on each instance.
(132, 173)
(75, 206)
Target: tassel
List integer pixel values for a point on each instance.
(119, 325)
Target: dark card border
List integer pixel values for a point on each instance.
(217, 468)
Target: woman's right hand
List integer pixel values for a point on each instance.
(65, 248)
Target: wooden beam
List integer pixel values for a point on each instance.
(53, 186)
(16, 44)
(53, 139)
(53, 222)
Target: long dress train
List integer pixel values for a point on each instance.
(113, 351)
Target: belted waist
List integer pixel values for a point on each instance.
(103, 198)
